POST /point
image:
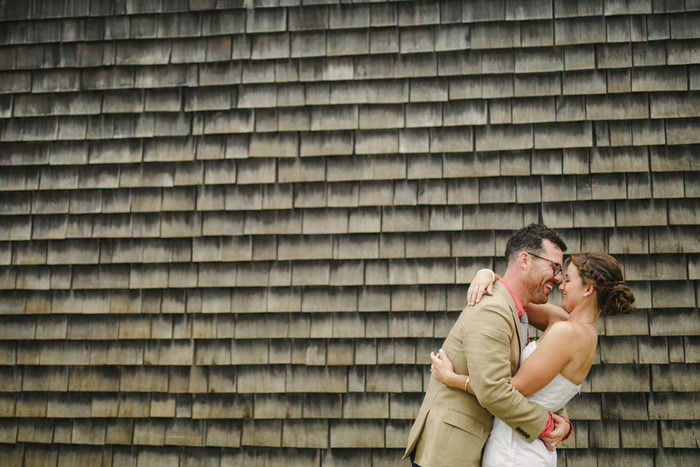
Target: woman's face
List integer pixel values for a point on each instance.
(572, 288)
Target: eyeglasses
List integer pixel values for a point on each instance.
(556, 266)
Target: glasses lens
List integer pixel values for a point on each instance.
(556, 266)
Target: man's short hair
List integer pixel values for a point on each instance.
(530, 239)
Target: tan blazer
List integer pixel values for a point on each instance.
(452, 425)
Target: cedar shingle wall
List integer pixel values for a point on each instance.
(231, 233)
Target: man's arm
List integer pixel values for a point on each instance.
(487, 345)
(561, 431)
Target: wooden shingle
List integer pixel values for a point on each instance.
(223, 433)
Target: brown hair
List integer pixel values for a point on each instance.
(530, 239)
(603, 272)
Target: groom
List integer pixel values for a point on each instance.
(452, 425)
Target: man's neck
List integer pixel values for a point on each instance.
(516, 284)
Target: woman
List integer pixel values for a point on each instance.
(553, 367)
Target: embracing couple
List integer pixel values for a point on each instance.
(474, 375)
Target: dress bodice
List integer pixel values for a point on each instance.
(504, 448)
(557, 393)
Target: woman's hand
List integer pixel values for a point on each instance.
(442, 368)
(482, 283)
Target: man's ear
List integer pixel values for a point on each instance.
(523, 259)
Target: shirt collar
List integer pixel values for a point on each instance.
(518, 303)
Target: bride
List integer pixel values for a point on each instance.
(554, 366)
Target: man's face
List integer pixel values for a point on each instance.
(541, 278)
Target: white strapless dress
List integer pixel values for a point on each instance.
(506, 448)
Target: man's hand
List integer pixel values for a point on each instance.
(559, 432)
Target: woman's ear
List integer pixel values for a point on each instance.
(589, 290)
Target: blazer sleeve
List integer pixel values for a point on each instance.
(563, 413)
(487, 346)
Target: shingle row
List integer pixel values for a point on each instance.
(563, 215)
(477, 243)
(247, 379)
(282, 333)
(310, 433)
(212, 354)
(345, 16)
(58, 193)
(632, 241)
(367, 339)
(66, 454)
(145, 49)
(38, 454)
(30, 295)
(482, 70)
(290, 145)
(403, 406)
(336, 273)
(636, 437)
(110, 166)
(306, 100)
(135, 22)
(243, 119)
(300, 410)
(235, 406)
(319, 434)
(242, 300)
(681, 297)
(396, 376)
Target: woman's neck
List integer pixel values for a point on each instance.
(584, 313)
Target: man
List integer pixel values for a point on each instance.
(452, 425)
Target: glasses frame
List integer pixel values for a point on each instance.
(558, 268)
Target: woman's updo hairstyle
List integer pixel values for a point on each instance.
(603, 272)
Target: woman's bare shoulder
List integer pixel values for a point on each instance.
(573, 334)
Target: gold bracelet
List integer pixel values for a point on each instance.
(466, 385)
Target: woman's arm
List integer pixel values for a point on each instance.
(550, 357)
(482, 283)
(543, 316)
(443, 370)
